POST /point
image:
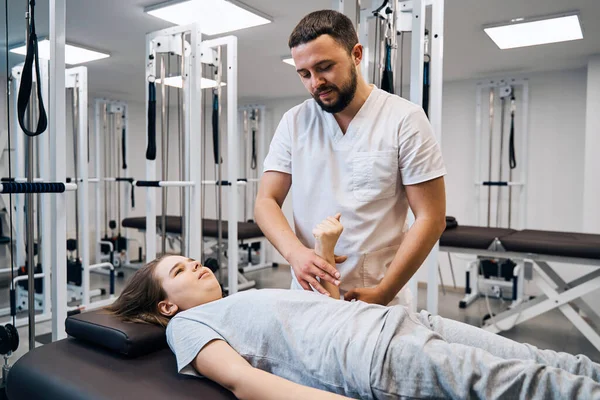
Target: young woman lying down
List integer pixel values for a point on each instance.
(283, 344)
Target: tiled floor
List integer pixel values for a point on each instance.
(551, 330)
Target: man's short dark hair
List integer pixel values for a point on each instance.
(324, 22)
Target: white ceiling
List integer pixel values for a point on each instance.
(119, 27)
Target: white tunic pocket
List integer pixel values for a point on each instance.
(374, 175)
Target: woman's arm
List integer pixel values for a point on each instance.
(222, 364)
(326, 236)
(326, 253)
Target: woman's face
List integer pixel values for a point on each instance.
(186, 283)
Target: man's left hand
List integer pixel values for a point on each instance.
(372, 295)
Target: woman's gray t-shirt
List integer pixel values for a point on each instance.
(302, 336)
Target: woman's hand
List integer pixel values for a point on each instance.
(327, 233)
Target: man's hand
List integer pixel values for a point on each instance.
(372, 295)
(307, 265)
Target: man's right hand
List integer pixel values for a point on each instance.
(307, 266)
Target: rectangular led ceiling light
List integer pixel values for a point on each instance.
(289, 61)
(523, 32)
(213, 16)
(176, 81)
(73, 54)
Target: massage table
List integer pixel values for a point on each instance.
(248, 233)
(532, 251)
(104, 358)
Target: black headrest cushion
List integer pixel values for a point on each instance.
(103, 329)
(451, 222)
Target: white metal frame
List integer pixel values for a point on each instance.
(74, 78)
(230, 42)
(200, 52)
(415, 12)
(116, 108)
(192, 127)
(557, 293)
(254, 180)
(523, 113)
(417, 9)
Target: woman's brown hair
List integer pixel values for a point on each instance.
(139, 299)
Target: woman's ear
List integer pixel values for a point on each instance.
(167, 308)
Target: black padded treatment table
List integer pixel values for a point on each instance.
(246, 230)
(532, 251)
(103, 359)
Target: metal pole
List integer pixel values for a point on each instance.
(118, 131)
(510, 171)
(194, 126)
(245, 160)
(260, 132)
(75, 117)
(489, 208)
(219, 178)
(182, 164)
(394, 40)
(106, 166)
(57, 127)
(376, 51)
(109, 163)
(163, 132)
(30, 226)
(233, 162)
(357, 16)
(499, 192)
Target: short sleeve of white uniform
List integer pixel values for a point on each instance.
(279, 157)
(419, 156)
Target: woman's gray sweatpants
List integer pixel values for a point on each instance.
(433, 357)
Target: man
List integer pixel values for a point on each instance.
(355, 150)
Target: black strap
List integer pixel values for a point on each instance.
(124, 150)
(132, 183)
(215, 126)
(253, 159)
(132, 195)
(511, 146)
(27, 80)
(151, 150)
(426, 85)
(387, 80)
(378, 9)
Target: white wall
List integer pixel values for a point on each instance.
(591, 212)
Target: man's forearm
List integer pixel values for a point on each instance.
(413, 251)
(275, 227)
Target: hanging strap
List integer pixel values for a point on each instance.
(387, 80)
(123, 143)
(27, 80)
(215, 126)
(426, 85)
(511, 155)
(253, 159)
(378, 9)
(151, 150)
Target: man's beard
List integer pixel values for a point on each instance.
(345, 95)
